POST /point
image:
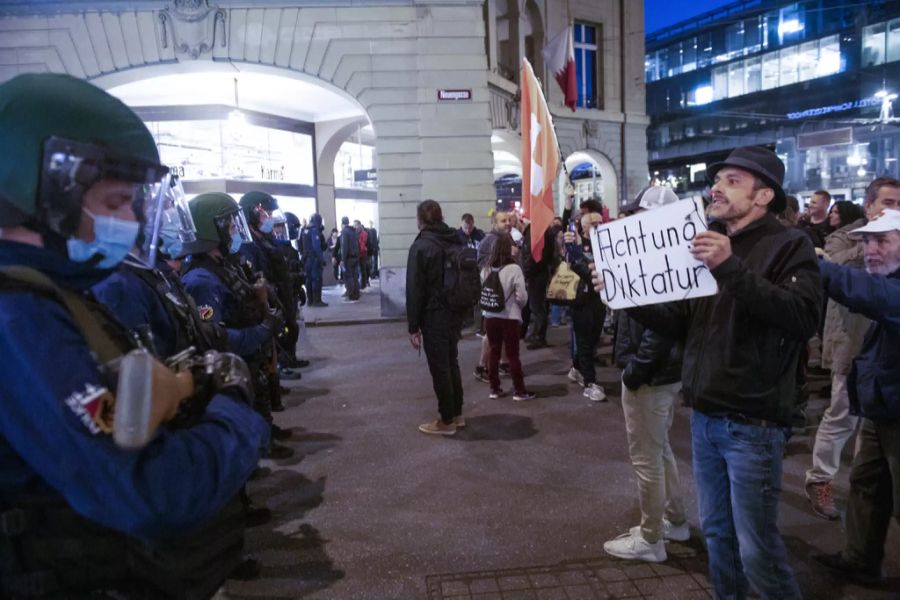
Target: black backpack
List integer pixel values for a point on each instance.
(461, 281)
(492, 297)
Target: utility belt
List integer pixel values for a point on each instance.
(47, 550)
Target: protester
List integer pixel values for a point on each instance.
(374, 250)
(431, 322)
(841, 342)
(503, 326)
(349, 253)
(537, 277)
(740, 361)
(651, 380)
(470, 235)
(814, 222)
(363, 241)
(874, 385)
(588, 312)
(791, 213)
(500, 226)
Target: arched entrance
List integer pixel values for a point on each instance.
(598, 173)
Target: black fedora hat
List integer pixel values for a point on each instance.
(763, 163)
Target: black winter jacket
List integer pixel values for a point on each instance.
(742, 345)
(425, 302)
(645, 357)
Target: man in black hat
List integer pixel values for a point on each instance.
(740, 362)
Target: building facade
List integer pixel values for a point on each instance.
(349, 108)
(814, 80)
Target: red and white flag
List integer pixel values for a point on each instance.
(559, 55)
(540, 159)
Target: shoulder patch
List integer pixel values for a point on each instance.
(206, 312)
(94, 407)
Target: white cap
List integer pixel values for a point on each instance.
(889, 220)
(652, 197)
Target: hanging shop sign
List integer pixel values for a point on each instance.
(365, 175)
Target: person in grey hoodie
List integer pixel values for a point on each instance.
(502, 327)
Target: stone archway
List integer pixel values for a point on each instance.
(609, 180)
(391, 59)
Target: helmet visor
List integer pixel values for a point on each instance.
(232, 224)
(169, 225)
(70, 168)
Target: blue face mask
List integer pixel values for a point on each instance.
(113, 240)
(236, 241)
(267, 226)
(171, 243)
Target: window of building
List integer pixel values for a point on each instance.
(770, 70)
(788, 58)
(651, 67)
(791, 23)
(752, 75)
(893, 52)
(829, 56)
(734, 39)
(587, 65)
(752, 35)
(808, 60)
(688, 55)
(736, 79)
(720, 82)
(873, 45)
(704, 50)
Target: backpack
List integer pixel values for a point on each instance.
(461, 281)
(492, 297)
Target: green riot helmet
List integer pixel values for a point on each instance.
(60, 135)
(220, 224)
(168, 227)
(255, 204)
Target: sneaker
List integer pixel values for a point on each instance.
(521, 397)
(838, 565)
(575, 376)
(460, 422)
(633, 546)
(438, 427)
(496, 394)
(481, 374)
(595, 393)
(676, 533)
(821, 500)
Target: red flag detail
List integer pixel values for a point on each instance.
(540, 159)
(559, 55)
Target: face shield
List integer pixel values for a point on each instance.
(70, 168)
(279, 225)
(233, 230)
(168, 222)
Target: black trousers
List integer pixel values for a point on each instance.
(587, 321)
(440, 340)
(537, 302)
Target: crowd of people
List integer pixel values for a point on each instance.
(145, 339)
(738, 358)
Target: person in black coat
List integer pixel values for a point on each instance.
(431, 321)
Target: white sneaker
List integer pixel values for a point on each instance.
(676, 533)
(575, 376)
(595, 393)
(633, 546)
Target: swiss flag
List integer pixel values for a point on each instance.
(540, 159)
(559, 55)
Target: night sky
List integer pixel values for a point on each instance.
(662, 13)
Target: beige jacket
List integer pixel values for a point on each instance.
(844, 330)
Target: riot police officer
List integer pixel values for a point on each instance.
(80, 514)
(313, 247)
(213, 277)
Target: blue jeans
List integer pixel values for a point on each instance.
(737, 468)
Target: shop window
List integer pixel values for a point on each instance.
(587, 65)
(736, 79)
(720, 83)
(752, 75)
(873, 45)
(808, 59)
(770, 70)
(788, 58)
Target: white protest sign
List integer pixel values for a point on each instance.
(644, 259)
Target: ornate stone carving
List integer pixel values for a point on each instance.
(192, 26)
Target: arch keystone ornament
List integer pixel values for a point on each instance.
(193, 25)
